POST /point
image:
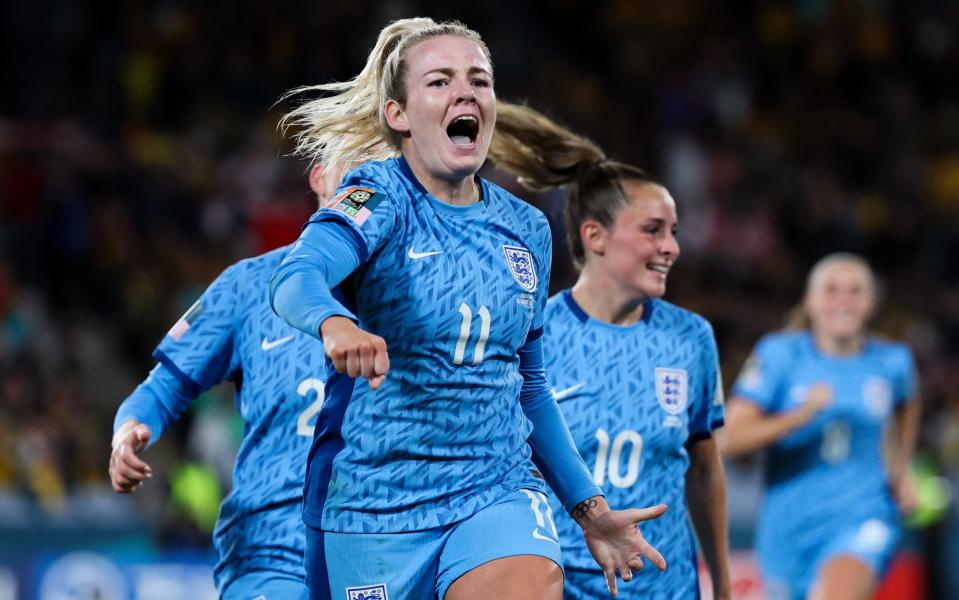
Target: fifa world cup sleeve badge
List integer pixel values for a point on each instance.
(357, 203)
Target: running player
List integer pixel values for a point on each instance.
(232, 334)
(636, 377)
(818, 397)
(419, 482)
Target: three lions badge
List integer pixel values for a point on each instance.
(520, 263)
(672, 389)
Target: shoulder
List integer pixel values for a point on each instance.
(893, 352)
(262, 265)
(370, 184)
(255, 274)
(247, 281)
(524, 211)
(556, 307)
(679, 319)
(525, 222)
(782, 343)
(384, 173)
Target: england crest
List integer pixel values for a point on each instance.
(671, 389)
(367, 592)
(520, 263)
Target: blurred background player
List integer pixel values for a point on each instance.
(449, 274)
(232, 334)
(819, 397)
(635, 376)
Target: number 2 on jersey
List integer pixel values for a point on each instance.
(303, 426)
(466, 327)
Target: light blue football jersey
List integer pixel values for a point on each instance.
(232, 334)
(633, 396)
(455, 291)
(829, 473)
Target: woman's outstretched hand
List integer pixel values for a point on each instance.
(614, 539)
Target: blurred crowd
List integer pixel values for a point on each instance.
(139, 157)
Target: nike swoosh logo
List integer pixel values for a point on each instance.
(540, 536)
(566, 392)
(267, 345)
(414, 255)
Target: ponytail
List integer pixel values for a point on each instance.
(544, 155)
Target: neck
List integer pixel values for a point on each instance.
(847, 345)
(603, 300)
(460, 192)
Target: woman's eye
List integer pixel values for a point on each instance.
(438, 83)
(481, 83)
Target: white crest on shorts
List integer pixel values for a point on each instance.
(872, 537)
(521, 265)
(376, 591)
(671, 389)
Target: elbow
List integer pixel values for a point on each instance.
(277, 289)
(728, 446)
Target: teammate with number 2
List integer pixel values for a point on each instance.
(231, 334)
(635, 376)
(819, 397)
(428, 286)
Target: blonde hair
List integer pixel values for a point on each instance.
(798, 317)
(347, 124)
(544, 154)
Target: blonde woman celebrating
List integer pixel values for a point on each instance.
(428, 285)
(819, 398)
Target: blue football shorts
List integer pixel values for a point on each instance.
(266, 585)
(790, 575)
(422, 565)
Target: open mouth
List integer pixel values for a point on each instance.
(463, 130)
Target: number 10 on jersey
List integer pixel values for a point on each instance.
(466, 328)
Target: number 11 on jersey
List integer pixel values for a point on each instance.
(466, 327)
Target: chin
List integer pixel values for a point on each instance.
(656, 289)
(464, 166)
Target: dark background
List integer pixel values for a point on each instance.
(139, 157)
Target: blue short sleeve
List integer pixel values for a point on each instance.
(198, 349)
(761, 378)
(366, 203)
(544, 262)
(707, 406)
(905, 380)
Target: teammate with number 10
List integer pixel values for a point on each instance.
(420, 482)
(636, 377)
(231, 334)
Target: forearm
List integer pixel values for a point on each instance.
(906, 433)
(553, 447)
(301, 289)
(706, 499)
(557, 456)
(157, 402)
(741, 437)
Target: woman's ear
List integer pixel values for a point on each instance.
(396, 117)
(324, 179)
(317, 182)
(594, 236)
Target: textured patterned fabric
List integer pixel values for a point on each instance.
(422, 565)
(455, 291)
(279, 372)
(633, 396)
(828, 475)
